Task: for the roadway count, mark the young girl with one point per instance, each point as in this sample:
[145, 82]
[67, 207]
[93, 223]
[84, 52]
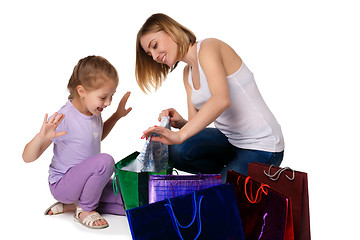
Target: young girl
[79, 175]
[220, 89]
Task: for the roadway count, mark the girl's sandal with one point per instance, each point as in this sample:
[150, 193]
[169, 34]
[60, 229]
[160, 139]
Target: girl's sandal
[56, 208]
[89, 220]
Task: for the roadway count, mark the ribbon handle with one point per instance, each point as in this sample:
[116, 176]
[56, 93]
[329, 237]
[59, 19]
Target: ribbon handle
[196, 212]
[259, 192]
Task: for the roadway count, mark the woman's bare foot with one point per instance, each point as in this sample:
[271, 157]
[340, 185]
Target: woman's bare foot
[67, 208]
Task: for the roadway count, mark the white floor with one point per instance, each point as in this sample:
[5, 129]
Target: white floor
[24, 217]
[63, 227]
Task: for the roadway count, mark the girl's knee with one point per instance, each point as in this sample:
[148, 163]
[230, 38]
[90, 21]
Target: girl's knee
[106, 161]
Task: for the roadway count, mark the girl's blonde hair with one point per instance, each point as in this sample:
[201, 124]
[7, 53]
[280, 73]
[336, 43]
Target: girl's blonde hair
[149, 73]
[90, 73]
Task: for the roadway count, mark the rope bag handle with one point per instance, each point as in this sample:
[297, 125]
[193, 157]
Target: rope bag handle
[115, 187]
[277, 174]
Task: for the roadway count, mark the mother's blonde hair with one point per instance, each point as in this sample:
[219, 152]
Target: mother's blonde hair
[149, 73]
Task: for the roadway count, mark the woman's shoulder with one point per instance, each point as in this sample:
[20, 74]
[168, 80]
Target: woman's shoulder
[210, 48]
[214, 52]
[211, 43]
[214, 45]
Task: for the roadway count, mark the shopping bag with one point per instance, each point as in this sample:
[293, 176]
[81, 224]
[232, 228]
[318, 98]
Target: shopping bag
[133, 186]
[265, 213]
[154, 157]
[169, 186]
[207, 214]
[132, 173]
[293, 184]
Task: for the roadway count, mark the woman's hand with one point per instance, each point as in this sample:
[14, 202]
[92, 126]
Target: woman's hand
[48, 129]
[121, 111]
[166, 136]
[176, 120]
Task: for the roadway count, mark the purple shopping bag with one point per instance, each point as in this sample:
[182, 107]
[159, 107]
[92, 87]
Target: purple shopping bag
[169, 186]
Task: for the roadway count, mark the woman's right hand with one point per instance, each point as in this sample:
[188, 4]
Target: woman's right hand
[176, 120]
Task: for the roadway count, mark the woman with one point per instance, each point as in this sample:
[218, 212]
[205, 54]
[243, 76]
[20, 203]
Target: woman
[220, 89]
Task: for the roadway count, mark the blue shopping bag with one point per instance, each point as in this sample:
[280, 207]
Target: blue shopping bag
[210, 213]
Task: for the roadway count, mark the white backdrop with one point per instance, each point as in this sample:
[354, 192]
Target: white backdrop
[304, 55]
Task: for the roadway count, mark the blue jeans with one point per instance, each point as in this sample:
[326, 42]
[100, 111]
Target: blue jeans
[209, 151]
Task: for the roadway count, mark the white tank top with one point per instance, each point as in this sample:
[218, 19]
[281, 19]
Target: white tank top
[248, 123]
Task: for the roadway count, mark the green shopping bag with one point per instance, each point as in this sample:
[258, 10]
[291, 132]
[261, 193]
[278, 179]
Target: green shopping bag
[133, 186]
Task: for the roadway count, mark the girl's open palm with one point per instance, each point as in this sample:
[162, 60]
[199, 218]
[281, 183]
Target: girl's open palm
[121, 111]
[48, 129]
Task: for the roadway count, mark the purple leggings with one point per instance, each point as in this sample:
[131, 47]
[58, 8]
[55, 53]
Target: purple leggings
[89, 183]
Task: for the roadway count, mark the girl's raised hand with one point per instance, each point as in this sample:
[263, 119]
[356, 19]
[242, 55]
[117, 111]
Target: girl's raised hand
[121, 111]
[48, 129]
[42, 140]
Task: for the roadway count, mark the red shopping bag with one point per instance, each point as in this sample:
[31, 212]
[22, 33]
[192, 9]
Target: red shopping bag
[293, 184]
[265, 214]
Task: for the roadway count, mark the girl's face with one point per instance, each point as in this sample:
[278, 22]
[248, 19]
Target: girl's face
[161, 47]
[94, 101]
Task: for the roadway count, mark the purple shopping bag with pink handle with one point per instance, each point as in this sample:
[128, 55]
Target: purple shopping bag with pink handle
[168, 186]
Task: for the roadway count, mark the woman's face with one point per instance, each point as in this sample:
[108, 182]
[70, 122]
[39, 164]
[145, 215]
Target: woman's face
[161, 47]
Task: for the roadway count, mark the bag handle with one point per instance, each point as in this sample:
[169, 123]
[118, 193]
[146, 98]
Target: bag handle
[258, 196]
[115, 187]
[262, 229]
[273, 177]
[196, 211]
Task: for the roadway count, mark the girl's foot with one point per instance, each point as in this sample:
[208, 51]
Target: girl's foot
[90, 219]
[100, 222]
[59, 207]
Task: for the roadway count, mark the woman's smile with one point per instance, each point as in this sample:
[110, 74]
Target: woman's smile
[163, 59]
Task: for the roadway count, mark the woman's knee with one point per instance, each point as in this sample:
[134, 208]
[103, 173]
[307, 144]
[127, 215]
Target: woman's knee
[179, 152]
[175, 150]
